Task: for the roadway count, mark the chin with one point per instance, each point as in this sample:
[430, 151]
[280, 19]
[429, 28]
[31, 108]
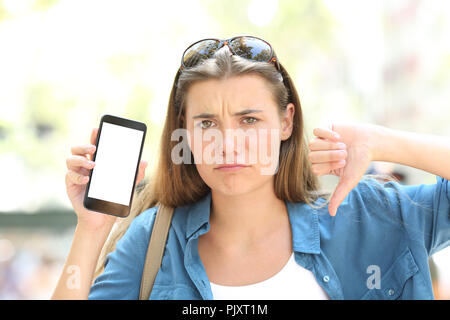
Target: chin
[232, 184]
[232, 191]
[236, 186]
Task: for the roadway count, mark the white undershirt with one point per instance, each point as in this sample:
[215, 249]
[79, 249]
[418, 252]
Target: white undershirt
[293, 282]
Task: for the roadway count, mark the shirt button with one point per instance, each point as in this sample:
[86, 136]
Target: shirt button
[391, 292]
[326, 279]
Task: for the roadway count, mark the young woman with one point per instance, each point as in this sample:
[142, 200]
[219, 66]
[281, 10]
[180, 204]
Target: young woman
[240, 233]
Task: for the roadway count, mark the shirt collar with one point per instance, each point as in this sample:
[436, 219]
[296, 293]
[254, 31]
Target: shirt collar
[303, 219]
[198, 215]
[305, 227]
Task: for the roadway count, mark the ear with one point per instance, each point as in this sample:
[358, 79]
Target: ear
[287, 121]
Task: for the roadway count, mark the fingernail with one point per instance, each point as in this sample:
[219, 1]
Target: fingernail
[336, 135]
[341, 145]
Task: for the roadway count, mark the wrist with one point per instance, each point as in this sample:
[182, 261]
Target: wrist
[380, 143]
[94, 222]
[92, 233]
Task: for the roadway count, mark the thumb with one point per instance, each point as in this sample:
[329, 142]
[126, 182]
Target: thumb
[141, 172]
[345, 185]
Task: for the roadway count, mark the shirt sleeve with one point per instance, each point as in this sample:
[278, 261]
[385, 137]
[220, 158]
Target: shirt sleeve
[122, 274]
[424, 211]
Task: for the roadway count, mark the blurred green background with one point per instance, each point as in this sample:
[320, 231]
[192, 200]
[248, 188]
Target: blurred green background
[63, 64]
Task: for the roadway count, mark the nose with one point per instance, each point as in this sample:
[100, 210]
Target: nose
[232, 151]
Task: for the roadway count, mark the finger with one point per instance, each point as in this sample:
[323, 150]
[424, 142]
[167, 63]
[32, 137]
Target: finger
[75, 161]
[77, 178]
[345, 185]
[317, 144]
[94, 134]
[338, 171]
[141, 172]
[325, 168]
[83, 149]
[327, 156]
[82, 171]
[326, 133]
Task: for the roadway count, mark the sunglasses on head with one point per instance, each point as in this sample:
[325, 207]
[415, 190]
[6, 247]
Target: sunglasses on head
[248, 47]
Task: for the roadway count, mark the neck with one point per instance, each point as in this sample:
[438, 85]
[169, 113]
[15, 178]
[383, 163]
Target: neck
[247, 218]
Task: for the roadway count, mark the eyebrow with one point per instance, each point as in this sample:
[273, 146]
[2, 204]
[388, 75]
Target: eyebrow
[240, 113]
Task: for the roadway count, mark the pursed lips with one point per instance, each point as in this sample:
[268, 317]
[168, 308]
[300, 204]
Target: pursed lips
[231, 167]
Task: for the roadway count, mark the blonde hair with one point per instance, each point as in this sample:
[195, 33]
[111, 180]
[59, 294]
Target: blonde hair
[180, 184]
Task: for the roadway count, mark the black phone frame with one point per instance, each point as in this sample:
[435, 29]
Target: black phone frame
[108, 207]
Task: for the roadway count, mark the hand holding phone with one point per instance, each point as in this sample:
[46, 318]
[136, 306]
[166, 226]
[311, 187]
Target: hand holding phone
[77, 177]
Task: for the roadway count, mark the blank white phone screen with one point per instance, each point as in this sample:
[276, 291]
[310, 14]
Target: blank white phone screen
[115, 164]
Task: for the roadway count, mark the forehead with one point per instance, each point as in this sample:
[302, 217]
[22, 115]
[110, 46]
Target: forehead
[236, 92]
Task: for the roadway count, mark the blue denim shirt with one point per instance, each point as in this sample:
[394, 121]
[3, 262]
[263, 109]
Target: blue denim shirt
[376, 247]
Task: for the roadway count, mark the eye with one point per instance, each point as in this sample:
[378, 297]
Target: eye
[251, 120]
[205, 124]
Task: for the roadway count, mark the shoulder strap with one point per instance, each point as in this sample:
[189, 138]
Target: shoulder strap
[155, 250]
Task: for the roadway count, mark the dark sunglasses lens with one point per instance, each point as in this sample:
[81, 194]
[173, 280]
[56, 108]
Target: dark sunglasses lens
[199, 51]
[251, 48]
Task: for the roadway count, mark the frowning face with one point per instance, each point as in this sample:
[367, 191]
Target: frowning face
[236, 121]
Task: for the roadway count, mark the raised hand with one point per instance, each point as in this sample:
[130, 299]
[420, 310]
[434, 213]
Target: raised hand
[77, 177]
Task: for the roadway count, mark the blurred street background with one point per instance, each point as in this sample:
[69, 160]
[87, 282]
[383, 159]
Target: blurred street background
[63, 64]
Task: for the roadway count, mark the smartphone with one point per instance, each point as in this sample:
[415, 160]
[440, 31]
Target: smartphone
[112, 181]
